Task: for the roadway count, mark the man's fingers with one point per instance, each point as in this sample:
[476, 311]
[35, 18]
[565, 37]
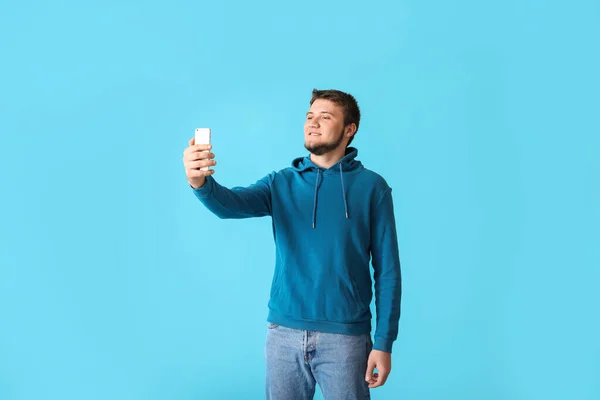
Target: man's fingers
[198, 155]
[370, 370]
[197, 147]
[378, 379]
[201, 163]
[196, 173]
[373, 379]
[375, 382]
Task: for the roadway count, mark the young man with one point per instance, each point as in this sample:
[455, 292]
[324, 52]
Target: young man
[331, 217]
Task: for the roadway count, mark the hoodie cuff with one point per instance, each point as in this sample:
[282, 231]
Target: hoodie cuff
[204, 190]
[383, 344]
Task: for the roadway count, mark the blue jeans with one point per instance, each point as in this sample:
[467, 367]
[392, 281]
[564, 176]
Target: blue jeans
[298, 359]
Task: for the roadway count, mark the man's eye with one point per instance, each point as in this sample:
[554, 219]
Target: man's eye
[326, 117]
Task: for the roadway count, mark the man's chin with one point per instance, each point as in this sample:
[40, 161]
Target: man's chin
[317, 150]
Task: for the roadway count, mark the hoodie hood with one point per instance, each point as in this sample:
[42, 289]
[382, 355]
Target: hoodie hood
[346, 164]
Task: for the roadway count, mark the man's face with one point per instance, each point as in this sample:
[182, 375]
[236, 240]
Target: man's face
[323, 127]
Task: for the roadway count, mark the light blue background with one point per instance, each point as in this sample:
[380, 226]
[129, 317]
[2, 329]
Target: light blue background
[483, 116]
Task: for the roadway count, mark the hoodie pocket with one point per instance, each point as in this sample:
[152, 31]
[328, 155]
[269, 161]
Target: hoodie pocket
[344, 304]
[356, 293]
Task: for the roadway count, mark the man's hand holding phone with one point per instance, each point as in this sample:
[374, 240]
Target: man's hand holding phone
[195, 157]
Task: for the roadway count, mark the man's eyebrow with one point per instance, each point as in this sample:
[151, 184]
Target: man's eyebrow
[322, 112]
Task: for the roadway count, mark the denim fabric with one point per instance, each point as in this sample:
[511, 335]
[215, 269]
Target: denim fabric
[298, 360]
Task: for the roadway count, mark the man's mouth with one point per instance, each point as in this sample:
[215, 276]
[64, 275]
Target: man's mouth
[314, 134]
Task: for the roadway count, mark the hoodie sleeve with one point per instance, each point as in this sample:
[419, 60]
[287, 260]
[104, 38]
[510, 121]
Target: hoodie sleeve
[237, 202]
[386, 266]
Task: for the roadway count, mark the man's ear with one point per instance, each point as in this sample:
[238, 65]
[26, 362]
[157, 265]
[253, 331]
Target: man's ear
[350, 130]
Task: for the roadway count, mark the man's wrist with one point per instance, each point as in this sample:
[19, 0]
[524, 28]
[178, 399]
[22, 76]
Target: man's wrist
[197, 187]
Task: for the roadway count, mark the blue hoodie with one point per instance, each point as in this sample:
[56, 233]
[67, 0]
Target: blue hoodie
[328, 224]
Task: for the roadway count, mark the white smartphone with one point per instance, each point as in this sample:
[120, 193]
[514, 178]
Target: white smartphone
[202, 137]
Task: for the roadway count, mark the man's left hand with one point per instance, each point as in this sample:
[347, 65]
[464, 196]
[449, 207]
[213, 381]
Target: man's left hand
[383, 362]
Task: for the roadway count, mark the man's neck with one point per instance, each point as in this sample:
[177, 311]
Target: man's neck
[328, 159]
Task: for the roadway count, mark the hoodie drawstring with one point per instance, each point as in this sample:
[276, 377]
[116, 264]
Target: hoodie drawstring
[314, 220]
[343, 191]
[315, 203]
